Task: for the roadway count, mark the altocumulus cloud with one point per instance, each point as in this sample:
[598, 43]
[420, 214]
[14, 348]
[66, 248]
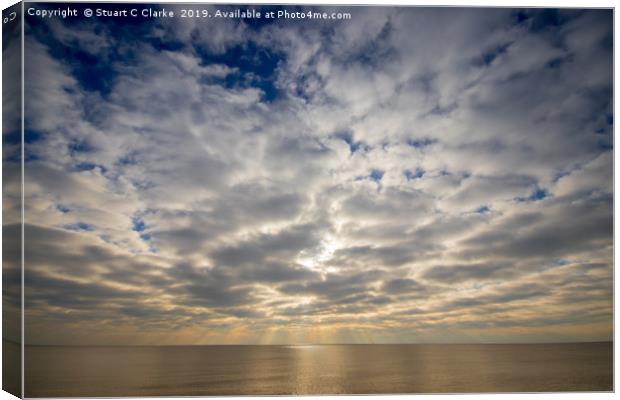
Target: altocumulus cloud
[407, 175]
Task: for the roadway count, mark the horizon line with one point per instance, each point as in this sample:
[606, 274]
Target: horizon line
[305, 344]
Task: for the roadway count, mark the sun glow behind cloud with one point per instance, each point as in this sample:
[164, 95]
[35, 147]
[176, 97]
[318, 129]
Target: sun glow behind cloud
[317, 260]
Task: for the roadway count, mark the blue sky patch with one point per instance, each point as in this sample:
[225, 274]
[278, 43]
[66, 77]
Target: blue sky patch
[420, 143]
[537, 194]
[31, 136]
[256, 67]
[85, 166]
[138, 224]
[376, 175]
[483, 210]
[79, 146]
[80, 227]
[411, 175]
[63, 209]
[348, 139]
[491, 55]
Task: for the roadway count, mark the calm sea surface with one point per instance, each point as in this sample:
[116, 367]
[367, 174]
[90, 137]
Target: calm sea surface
[334, 369]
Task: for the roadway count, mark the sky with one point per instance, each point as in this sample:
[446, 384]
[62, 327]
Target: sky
[410, 175]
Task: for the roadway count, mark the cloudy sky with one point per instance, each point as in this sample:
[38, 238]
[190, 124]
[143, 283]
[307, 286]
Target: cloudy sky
[409, 175]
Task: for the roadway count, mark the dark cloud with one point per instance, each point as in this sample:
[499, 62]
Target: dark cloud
[569, 229]
[286, 243]
[275, 272]
[463, 273]
[208, 288]
[334, 287]
[376, 255]
[405, 286]
[507, 295]
[71, 294]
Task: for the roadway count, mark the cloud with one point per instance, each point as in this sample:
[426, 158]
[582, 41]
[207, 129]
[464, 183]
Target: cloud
[408, 174]
[462, 273]
[405, 286]
[336, 287]
[287, 243]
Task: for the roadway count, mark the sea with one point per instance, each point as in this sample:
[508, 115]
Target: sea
[101, 371]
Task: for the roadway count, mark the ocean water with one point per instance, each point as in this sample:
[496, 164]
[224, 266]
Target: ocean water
[56, 371]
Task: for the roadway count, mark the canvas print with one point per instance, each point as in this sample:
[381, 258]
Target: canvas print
[214, 199]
